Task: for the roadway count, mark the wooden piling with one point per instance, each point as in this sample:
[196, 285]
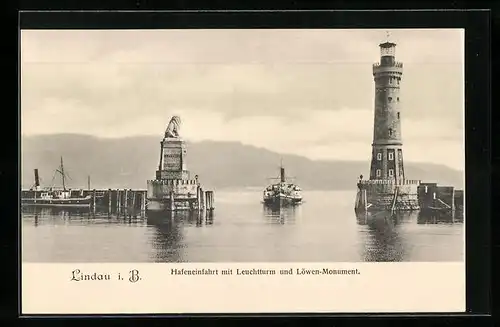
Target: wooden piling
[209, 199]
[365, 200]
[201, 205]
[198, 197]
[126, 198]
[109, 199]
[143, 201]
[93, 199]
[357, 201]
[453, 199]
[118, 200]
[172, 205]
[133, 200]
[202, 216]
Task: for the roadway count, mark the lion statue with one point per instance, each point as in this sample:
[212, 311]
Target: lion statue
[173, 127]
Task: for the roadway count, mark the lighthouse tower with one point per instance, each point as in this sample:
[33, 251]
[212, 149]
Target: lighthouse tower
[387, 188]
[387, 153]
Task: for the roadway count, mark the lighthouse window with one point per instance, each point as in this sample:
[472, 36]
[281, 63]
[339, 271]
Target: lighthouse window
[390, 131]
[391, 156]
[391, 172]
[378, 172]
[390, 99]
[398, 111]
[379, 156]
[398, 99]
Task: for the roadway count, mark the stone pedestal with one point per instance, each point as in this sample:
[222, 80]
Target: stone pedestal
[173, 160]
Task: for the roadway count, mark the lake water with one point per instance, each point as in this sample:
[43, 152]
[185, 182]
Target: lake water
[323, 229]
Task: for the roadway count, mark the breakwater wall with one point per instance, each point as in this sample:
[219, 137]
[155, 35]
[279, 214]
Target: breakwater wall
[373, 195]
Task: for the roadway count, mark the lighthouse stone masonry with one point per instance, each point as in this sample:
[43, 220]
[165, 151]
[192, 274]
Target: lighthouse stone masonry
[387, 153]
[174, 189]
[387, 187]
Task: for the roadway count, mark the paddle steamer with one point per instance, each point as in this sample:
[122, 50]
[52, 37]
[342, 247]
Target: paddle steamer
[282, 194]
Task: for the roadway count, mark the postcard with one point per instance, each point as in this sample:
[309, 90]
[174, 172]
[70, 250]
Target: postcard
[242, 171]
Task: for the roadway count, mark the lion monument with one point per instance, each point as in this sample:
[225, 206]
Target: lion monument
[173, 127]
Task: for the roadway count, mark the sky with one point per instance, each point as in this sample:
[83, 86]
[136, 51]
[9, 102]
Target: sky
[305, 92]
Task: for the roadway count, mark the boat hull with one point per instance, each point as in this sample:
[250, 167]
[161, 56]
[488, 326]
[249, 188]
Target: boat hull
[282, 201]
[75, 203]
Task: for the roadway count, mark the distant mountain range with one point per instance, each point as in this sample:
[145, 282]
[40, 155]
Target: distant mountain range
[129, 162]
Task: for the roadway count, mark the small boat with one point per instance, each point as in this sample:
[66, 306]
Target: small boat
[283, 193]
[54, 197]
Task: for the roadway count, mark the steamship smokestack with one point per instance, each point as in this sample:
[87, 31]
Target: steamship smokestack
[37, 180]
[282, 171]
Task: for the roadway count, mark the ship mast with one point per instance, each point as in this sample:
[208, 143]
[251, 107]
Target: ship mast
[61, 171]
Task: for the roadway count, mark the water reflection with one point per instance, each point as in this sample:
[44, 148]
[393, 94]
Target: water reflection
[193, 217]
[382, 242]
[323, 230]
[281, 215]
[384, 235]
[54, 211]
[43, 215]
[167, 236]
[167, 240]
[80, 216]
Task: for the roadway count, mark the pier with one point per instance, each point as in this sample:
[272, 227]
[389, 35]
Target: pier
[118, 199]
[375, 195]
[134, 200]
[445, 198]
[173, 188]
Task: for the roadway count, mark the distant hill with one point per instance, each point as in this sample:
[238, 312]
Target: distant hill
[129, 162]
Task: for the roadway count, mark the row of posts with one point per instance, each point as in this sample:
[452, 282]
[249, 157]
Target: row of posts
[133, 199]
[128, 199]
[119, 199]
[205, 199]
